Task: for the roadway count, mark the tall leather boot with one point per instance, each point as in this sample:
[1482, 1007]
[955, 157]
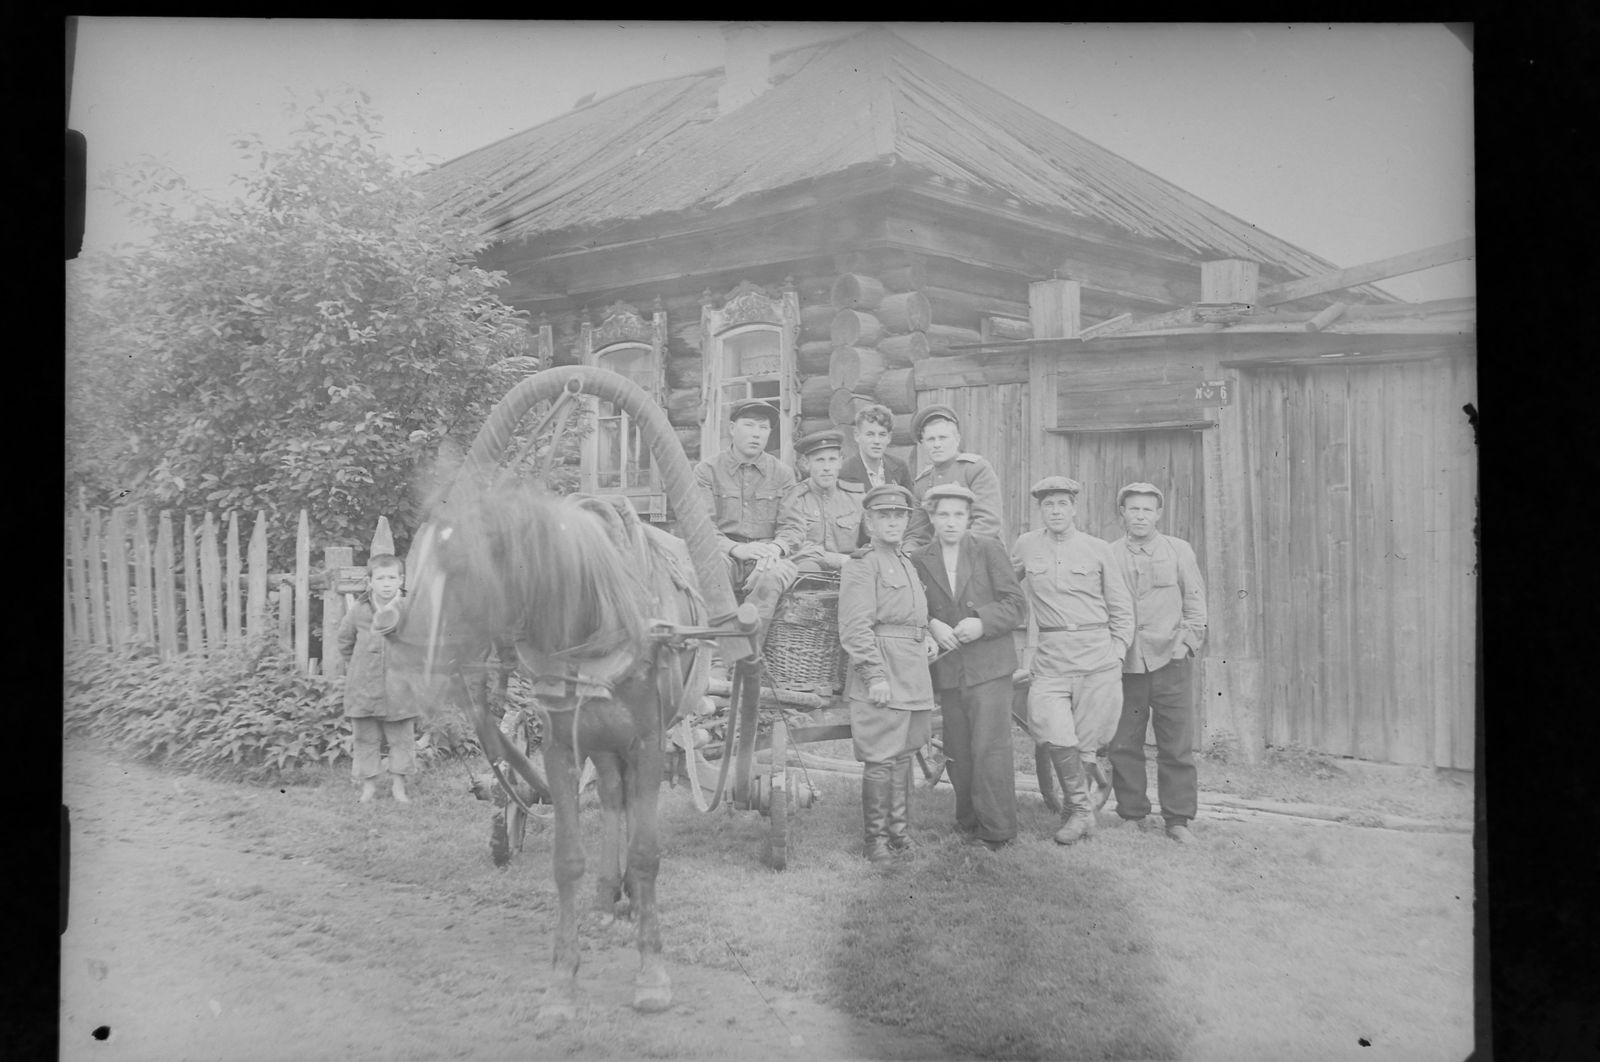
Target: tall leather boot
[877, 779]
[900, 805]
[1047, 777]
[1077, 815]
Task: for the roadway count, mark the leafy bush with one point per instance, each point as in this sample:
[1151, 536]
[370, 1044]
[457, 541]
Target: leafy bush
[244, 713]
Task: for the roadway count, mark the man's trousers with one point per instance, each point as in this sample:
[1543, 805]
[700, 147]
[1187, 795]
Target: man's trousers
[1162, 698]
[977, 749]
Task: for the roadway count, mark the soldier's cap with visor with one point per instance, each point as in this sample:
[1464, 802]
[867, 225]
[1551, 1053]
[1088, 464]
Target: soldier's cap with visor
[827, 439]
[922, 416]
[930, 497]
[1141, 488]
[1055, 485]
[888, 497]
[754, 407]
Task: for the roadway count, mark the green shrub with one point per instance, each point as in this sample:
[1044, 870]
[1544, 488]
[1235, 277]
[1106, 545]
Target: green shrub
[245, 713]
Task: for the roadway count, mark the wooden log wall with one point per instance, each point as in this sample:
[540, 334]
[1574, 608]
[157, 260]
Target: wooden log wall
[880, 329]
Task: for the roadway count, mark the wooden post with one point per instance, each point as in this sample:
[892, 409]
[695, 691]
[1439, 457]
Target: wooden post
[142, 584]
[117, 578]
[1230, 280]
[1231, 669]
[166, 575]
[78, 565]
[382, 539]
[302, 593]
[211, 583]
[1053, 308]
[256, 599]
[97, 580]
[333, 558]
[194, 641]
[230, 591]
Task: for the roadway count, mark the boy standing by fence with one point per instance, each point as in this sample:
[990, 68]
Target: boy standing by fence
[373, 714]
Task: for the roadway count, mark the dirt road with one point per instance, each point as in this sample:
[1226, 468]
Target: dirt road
[183, 943]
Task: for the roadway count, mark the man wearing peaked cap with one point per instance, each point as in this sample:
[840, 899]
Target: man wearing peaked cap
[883, 627]
[974, 603]
[819, 523]
[1169, 611]
[1081, 625]
[938, 430]
[745, 486]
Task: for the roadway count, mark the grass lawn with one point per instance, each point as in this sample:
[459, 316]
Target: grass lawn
[1263, 941]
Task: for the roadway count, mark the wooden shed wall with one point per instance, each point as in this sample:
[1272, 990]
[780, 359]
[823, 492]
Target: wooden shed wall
[1364, 495]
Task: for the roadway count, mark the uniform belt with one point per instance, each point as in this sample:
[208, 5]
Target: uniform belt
[895, 630]
[1072, 627]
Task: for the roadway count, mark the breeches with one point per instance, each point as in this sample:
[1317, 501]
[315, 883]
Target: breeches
[881, 734]
[1077, 709]
[370, 732]
[977, 745]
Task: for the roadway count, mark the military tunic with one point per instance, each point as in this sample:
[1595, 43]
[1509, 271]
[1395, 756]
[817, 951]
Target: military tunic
[1084, 612]
[883, 626]
[811, 523]
[977, 475]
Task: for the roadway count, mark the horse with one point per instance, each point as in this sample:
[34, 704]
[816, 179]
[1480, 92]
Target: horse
[574, 585]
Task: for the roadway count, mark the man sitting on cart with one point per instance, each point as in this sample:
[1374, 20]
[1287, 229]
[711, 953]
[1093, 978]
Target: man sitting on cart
[819, 524]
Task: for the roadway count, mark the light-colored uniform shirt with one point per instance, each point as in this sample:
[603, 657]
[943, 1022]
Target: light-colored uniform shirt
[811, 523]
[977, 475]
[1169, 599]
[883, 626]
[1073, 581]
[744, 495]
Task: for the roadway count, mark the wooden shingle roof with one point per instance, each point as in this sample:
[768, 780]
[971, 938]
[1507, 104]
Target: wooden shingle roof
[868, 100]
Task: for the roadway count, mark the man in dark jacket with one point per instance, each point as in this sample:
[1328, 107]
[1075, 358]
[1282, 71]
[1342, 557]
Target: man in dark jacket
[872, 465]
[974, 603]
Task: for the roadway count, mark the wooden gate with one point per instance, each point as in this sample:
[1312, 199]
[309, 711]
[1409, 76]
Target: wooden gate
[1364, 501]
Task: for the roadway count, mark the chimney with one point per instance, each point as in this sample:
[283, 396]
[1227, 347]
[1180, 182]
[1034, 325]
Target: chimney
[747, 66]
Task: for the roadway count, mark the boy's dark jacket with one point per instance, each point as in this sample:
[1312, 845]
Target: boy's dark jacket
[986, 587]
[369, 689]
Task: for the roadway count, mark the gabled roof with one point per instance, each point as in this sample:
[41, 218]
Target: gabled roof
[868, 100]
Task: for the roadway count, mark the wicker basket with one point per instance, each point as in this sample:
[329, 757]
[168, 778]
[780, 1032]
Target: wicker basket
[802, 649]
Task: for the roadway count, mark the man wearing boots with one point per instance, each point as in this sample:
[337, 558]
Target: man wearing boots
[745, 486]
[974, 603]
[1084, 617]
[1169, 608]
[883, 626]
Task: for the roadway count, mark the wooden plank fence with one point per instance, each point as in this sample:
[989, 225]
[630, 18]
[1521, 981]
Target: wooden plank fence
[121, 590]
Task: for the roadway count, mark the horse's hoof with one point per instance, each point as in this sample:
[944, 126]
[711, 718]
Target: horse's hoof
[652, 999]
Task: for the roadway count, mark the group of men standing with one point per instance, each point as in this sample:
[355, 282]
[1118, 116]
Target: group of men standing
[933, 604]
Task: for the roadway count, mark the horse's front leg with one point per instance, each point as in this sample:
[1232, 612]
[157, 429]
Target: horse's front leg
[608, 882]
[561, 997]
[652, 989]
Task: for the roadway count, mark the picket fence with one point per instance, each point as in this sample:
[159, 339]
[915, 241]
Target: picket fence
[123, 589]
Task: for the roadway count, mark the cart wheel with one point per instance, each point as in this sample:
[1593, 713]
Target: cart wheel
[778, 797]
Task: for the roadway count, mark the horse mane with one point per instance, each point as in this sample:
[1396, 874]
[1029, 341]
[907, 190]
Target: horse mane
[553, 576]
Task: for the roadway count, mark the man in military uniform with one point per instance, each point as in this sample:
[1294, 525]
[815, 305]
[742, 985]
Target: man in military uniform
[883, 627]
[819, 522]
[939, 432]
[1084, 615]
[745, 485]
[1169, 607]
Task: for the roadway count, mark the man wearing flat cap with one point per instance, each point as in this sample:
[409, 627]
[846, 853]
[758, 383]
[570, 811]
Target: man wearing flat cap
[745, 486]
[939, 432]
[1084, 616]
[974, 603]
[1169, 609]
[819, 523]
[883, 627]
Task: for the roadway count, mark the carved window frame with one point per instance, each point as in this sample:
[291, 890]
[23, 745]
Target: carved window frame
[622, 329]
[746, 309]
